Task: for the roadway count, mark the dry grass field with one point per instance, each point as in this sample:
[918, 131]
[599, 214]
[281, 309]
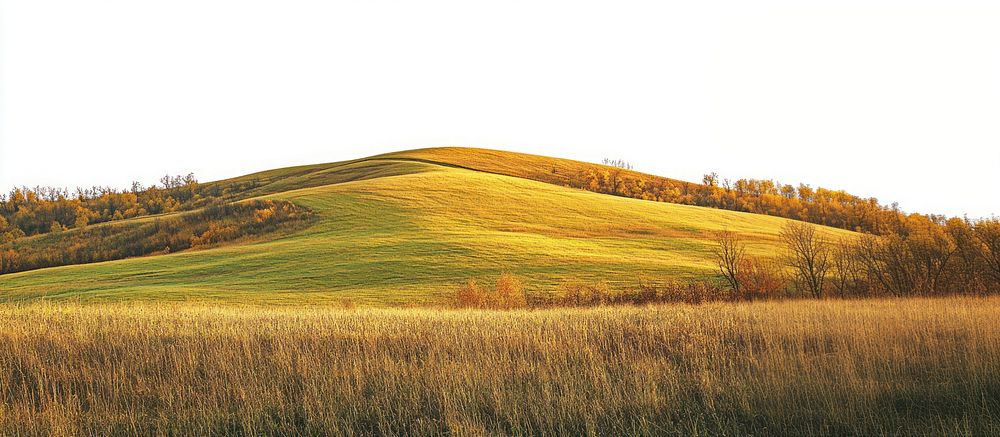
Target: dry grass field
[872, 367]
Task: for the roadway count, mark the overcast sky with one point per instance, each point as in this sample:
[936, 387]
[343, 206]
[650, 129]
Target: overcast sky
[897, 100]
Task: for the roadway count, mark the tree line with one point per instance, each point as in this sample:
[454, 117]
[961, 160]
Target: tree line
[217, 223]
[959, 257]
[835, 208]
[40, 210]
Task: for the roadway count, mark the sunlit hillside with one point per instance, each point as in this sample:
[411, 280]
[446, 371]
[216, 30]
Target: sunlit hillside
[409, 227]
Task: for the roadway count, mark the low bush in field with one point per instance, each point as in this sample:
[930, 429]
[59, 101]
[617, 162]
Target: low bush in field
[507, 294]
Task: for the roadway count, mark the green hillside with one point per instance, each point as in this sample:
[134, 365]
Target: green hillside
[409, 227]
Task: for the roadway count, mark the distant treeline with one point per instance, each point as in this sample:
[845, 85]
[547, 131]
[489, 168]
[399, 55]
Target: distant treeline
[835, 208]
[218, 222]
[31, 211]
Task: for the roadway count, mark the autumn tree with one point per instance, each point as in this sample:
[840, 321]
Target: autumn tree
[988, 234]
[710, 179]
[510, 292]
[8, 232]
[470, 295]
[8, 261]
[931, 248]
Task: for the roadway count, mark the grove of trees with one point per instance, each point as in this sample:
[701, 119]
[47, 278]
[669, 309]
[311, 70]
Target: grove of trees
[835, 208]
[217, 223]
[32, 211]
[928, 259]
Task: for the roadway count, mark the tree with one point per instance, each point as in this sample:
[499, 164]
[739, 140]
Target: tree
[988, 234]
[932, 248]
[510, 292]
[618, 163]
[969, 269]
[470, 295]
[8, 261]
[730, 253]
[847, 268]
[8, 232]
[808, 255]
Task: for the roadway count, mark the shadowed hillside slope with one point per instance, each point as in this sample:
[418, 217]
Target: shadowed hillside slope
[395, 229]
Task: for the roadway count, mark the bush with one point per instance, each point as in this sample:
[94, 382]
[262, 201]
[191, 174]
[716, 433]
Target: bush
[760, 278]
[510, 292]
[574, 294]
[692, 292]
[470, 295]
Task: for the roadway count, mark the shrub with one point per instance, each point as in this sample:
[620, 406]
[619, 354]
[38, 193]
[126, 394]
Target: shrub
[510, 292]
[760, 278]
[573, 294]
[470, 295]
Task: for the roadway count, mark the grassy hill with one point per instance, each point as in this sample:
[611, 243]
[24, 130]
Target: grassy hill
[408, 227]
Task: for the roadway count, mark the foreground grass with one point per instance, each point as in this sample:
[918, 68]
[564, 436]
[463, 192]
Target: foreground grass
[914, 366]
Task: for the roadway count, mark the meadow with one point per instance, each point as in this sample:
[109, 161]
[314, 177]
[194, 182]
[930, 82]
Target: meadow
[813, 367]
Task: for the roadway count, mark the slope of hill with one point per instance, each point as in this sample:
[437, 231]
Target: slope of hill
[409, 227]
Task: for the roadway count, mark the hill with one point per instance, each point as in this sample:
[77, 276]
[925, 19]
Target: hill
[408, 227]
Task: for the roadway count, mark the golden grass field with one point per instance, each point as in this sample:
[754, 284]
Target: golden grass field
[872, 367]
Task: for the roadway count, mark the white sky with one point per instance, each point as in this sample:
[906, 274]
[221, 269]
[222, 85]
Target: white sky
[894, 99]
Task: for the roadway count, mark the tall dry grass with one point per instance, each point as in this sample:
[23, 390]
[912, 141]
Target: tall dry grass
[915, 366]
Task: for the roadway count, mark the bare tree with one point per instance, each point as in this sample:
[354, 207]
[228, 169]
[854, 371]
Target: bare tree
[932, 248]
[731, 253]
[988, 234]
[808, 255]
[618, 163]
[847, 267]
